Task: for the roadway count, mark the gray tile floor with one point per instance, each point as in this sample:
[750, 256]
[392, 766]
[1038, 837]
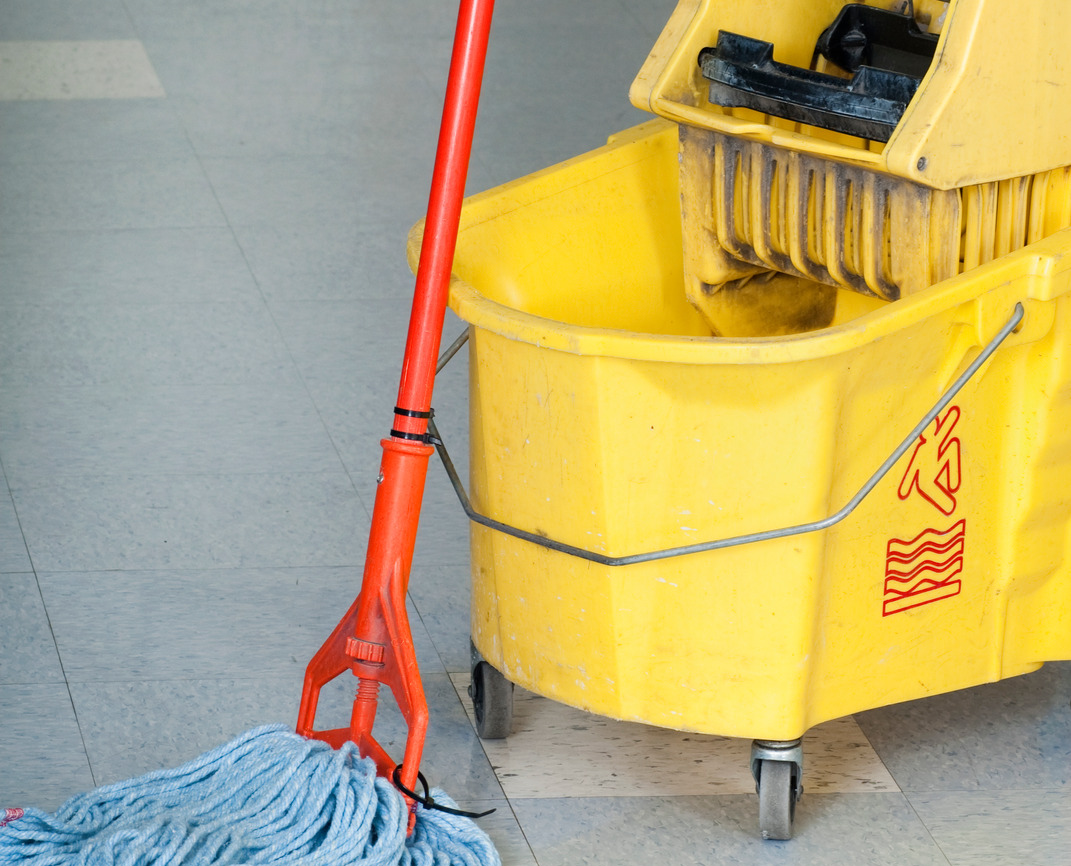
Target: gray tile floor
[203, 299]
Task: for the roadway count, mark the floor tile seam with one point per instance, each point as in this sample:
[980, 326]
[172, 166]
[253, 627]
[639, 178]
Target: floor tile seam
[272, 386]
[36, 386]
[296, 367]
[29, 304]
[876, 753]
[438, 652]
[483, 750]
[989, 790]
[520, 826]
[156, 162]
[76, 230]
[18, 487]
[218, 569]
[18, 522]
[51, 629]
[650, 793]
[295, 675]
[133, 24]
[926, 827]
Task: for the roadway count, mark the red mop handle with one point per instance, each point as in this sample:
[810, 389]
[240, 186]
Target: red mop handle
[373, 639]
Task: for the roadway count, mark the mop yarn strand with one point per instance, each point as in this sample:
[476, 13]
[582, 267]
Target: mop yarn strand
[268, 797]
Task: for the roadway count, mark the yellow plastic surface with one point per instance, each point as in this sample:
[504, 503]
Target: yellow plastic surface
[603, 415]
[994, 105]
[750, 207]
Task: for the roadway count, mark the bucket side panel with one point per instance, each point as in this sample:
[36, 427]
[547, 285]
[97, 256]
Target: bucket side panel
[1039, 598]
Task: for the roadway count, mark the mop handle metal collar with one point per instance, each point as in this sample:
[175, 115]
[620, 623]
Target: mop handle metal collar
[737, 540]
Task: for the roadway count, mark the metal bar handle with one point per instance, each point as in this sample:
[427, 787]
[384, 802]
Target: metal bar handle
[736, 540]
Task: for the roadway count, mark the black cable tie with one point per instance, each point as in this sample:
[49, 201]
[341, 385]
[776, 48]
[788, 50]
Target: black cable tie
[426, 801]
[412, 437]
[413, 413]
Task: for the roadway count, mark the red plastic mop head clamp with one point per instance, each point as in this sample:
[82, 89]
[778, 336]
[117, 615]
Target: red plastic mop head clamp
[373, 639]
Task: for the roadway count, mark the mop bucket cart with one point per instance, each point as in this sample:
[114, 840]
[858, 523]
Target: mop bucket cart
[741, 484]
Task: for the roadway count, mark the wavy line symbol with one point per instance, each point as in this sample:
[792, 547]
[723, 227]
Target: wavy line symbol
[922, 570]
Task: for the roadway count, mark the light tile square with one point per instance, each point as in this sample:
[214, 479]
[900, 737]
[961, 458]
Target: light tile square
[92, 196]
[221, 623]
[65, 19]
[182, 429]
[292, 190]
[145, 522]
[69, 269]
[109, 69]
[140, 344]
[90, 130]
[558, 751]
[42, 759]
[13, 554]
[1013, 734]
[441, 595]
[333, 262]
[996, 828]
[133, 727]
[27, 649]
[831, 830]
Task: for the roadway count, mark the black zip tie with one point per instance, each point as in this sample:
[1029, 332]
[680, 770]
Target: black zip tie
[412, 413]
[426, 438]
[426, 801]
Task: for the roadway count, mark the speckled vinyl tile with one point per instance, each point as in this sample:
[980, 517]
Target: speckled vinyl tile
[40, 131]
[296, 190]
[91, 196]
[505, 832]
[101, 523]
[133, 727]
[220, 623]
[558, 751]
[152, 430]
[110, 69]
[13, 554]
[831, 830]
[64, 19]
[336, 262]
[66, 269]
[42, 758]
[441, 595]
[141, 344]
[27, 649]
[998, 828]
[1013, 734]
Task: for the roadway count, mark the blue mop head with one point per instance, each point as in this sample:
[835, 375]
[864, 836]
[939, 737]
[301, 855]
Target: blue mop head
[268, 797]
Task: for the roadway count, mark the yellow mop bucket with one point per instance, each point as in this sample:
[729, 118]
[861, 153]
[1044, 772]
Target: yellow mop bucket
[608, 425]
[604, 417]
[771, 403]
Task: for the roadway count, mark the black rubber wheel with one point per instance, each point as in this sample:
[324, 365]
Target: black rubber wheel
[777, 799]
[492, 702]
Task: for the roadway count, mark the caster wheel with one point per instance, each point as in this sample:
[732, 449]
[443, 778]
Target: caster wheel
[492, 702]
[777, 799]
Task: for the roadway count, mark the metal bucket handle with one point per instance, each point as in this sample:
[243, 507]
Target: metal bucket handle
[737, 540]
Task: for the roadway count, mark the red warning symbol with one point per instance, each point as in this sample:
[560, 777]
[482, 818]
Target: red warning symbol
[935, 467]
[923, 570]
